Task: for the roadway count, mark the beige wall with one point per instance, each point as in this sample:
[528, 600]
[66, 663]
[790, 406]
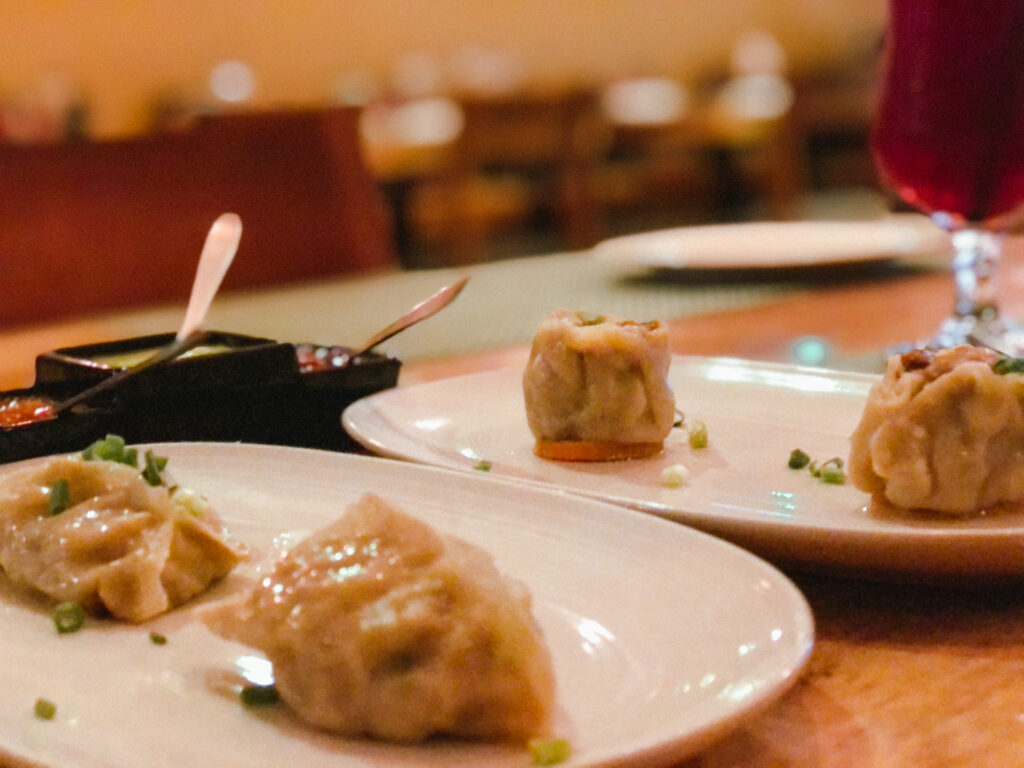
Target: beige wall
[123, 52]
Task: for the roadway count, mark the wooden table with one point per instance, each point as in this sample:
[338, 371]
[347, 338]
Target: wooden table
[902, 675]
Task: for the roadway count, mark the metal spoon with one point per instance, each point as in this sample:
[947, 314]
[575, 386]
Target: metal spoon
[426, 308]
[217, 254]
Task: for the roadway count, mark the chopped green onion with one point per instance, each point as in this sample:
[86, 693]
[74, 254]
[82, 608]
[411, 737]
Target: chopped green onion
[1006, 365]
[698, 434]
[680, 418]
[191, 501]
[549, 751]
[68, 617]
[817, 467]
[674, 476]
[157, 639]
[483, 465]
[259, 695]
[830, 471]
[798, 459]
[44, 709]
[59, 498]
[832, 475]
[154, 466]
[112, 448]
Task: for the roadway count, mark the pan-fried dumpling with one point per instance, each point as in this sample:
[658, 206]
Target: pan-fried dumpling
[116, 544]
[597, 389]
[943, 431]
[379, 626]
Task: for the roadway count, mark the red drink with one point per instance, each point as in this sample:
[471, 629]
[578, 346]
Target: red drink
[949, 128]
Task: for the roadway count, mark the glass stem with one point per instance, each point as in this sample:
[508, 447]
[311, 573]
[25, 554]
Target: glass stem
[975, 261]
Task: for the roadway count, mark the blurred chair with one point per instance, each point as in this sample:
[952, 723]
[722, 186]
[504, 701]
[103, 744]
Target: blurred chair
[751, 116]
[832, 119]
[92, 226]
[408, 142]
[519, 156]
[651, 172]
[705, 153]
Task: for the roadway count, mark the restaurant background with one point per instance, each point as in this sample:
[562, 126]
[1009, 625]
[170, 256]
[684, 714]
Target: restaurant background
[488, 130]
[120, 55]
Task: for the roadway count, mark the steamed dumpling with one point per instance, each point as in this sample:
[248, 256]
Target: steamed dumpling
[942, 431]
[379, 626]
[600, 382]
[120, 546]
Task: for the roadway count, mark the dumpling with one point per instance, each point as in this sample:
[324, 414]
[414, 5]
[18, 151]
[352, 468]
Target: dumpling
[943, 431]
[379, 626]
[597, 389]
[118, 546]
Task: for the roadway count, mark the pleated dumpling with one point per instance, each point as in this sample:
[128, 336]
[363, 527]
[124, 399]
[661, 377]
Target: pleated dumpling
[597, 388]
[379, 626]
[943, 431]
[97, 533]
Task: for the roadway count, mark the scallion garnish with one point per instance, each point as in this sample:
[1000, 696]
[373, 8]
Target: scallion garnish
[697, 433]
[59, 498]
[259, 695]
[44, 709]
[1006, 365]
[68, 617]
[798, 459]
[157, 639]
[112, 448]
[483, 465]
[154, 466]
[549, 751]
[830, 471]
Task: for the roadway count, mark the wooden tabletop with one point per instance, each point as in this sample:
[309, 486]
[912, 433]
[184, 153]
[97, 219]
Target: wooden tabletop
[902, 675]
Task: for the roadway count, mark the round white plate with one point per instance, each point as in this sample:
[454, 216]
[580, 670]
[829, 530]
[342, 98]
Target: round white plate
[772, 245]
[663, 638]
[739, 488]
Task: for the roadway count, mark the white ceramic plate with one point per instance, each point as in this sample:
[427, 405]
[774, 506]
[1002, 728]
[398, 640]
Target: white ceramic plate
[740, 487]
[663, 638]
[771, 245]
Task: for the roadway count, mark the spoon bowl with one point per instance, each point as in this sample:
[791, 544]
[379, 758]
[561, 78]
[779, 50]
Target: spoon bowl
[217, 254]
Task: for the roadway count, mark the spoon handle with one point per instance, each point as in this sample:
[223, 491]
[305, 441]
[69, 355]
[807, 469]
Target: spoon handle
[421, 311]
[217, 255]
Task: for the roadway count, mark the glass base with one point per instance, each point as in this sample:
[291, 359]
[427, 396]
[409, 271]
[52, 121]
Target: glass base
[995, 333]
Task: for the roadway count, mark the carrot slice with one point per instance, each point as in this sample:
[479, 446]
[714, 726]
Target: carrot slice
[585, 450]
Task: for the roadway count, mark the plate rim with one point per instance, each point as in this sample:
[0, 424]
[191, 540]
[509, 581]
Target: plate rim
[626, 250]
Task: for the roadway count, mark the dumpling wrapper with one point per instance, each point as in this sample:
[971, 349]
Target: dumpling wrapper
[601, 381]
[942, 431]
[122, 547]
[378, 626]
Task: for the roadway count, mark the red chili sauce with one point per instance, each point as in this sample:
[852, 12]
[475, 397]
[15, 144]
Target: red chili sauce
[19, 410]
[316, 358]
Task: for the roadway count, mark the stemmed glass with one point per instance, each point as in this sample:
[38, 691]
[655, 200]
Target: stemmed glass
[948, 138]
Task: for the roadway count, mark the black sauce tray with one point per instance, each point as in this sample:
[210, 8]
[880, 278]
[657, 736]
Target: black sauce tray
[244, 388]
